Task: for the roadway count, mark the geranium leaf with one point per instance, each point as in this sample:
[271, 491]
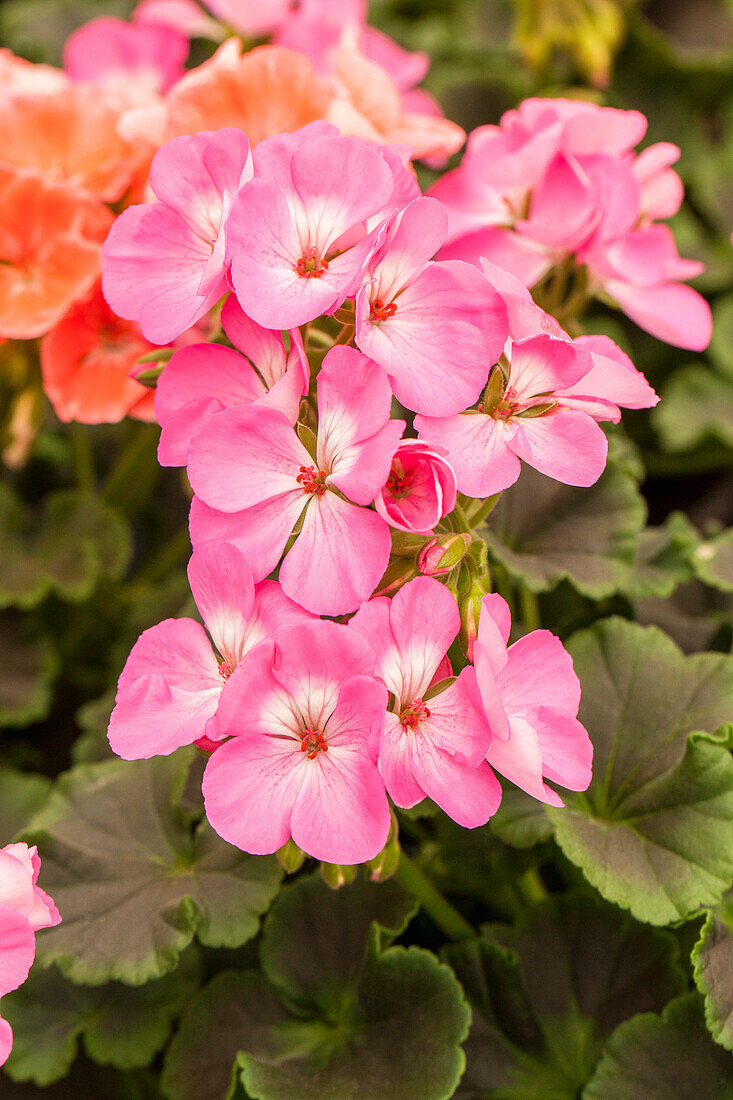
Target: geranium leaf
[339, 1018]
[134, 880]
[662, 1057]
[697, 404]
[547, 992]
[27, 668]
[713, 961]
[64, 548]
[119, 1025]
[654, 831]
[543, 532]
[520, 820]
[21, 796]
[713, 561]
[664, 558]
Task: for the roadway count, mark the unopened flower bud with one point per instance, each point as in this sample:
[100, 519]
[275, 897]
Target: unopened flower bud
[442, 554]
[469, 605]
[290, 857]
[336, 875]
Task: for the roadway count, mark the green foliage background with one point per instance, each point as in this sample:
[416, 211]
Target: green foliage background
[554, 954]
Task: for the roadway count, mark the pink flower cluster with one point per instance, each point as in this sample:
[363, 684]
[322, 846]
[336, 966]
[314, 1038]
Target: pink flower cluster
[312, 724]
[559, 178]
[24, 908]
[310, 474]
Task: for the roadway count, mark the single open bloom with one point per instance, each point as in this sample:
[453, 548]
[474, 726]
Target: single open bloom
[531, 696]
[50, 247]
[436, 734]
[171, 684]
[432, 326]
[296, 237]
[163, 262]
[202, 379]
[254, 480]
[304, 716]
[86, 362]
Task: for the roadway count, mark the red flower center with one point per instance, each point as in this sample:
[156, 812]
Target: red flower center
[312, 742]
[225, 670]
[398, 483]
[312, 480]
[508, 404]
[412, 715]
[310, 265]
[381, 312]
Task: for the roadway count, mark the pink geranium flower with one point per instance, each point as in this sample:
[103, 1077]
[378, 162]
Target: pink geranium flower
[436, 735]
[297, 242]
[544, 413]
[249, 462]
[304, 717]
[432, 326]
[531, 696]
[420, 489]
[24, 908]
[163, 262]
[126, 58]
[522, 417]
[203, 379]
[170, 687]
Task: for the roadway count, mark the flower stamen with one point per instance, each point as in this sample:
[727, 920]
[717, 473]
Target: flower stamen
[381, 312]
[310, 265]
[312, 742]
[413, 714]
[312, 480]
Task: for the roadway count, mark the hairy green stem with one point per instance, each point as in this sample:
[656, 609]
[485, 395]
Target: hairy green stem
[441, 912]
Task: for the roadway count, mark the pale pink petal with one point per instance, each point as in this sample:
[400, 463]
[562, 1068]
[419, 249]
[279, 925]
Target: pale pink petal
[469, 795]
[263, 347]
[356, 439]
[395, 764]
[539, 673]
[338, 558]
[17, 949]
[198, 381]
[413, 237]
[566, 445]
[674, 313]
[250, 787]
[197, 175]
[457, 723]
[567, 752]
[16, 881]
[221, 584]
[520, 760]
[528, 260]
[167, 691]
[152, 264]
[477, 448]
[109, 48]
[260, 532]
[244, 456]
[341, 814]
[491, 701]
[495, 609]
[564, 207]
[6, 1041]
[542, 364]
[312, 661]
[449, 326]
[613, 377]
[424, 620]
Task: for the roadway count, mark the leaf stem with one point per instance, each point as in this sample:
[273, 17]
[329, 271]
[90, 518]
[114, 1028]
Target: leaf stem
[447, 918]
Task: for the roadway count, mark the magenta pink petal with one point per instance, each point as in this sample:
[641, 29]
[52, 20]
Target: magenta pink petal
[222, 586]
[567, 752]
[167, 691]
[477, 447]
[674, 313]
[17, 949]
[526, 259]
[338, 558]
[6, 1041]
[457, 723]
[424, 621]
[539, 673]
[543, 364]
[245, 456]
[468, 795]
[567, 445]
[260, 532]
[395, 765]
[520, 760]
